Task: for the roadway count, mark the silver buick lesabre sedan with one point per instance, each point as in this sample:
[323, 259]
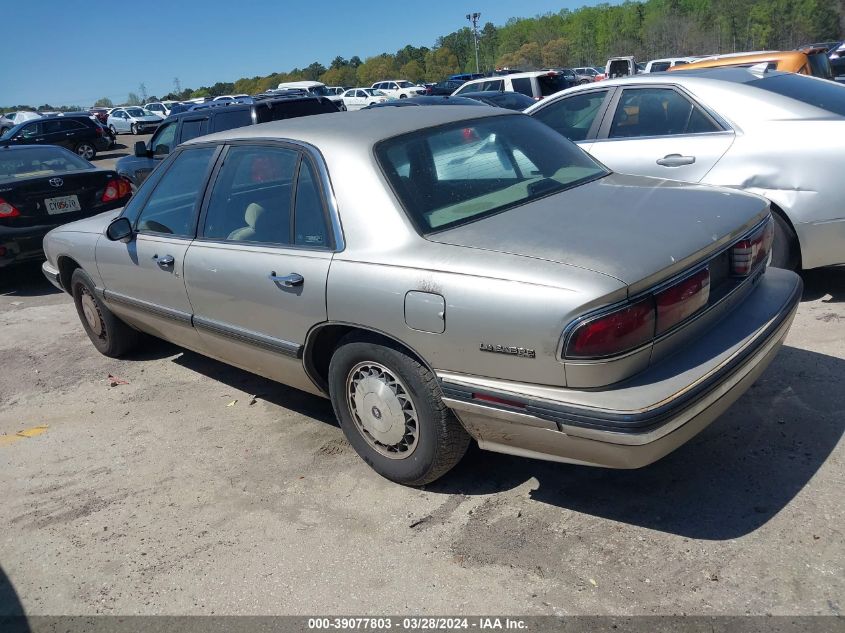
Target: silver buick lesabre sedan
[444, 274]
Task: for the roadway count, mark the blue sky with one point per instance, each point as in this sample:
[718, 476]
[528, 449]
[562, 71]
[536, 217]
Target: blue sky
[108, 49]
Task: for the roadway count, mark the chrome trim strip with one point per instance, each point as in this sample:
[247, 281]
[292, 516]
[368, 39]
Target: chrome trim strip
[155, 309]
[249, 337]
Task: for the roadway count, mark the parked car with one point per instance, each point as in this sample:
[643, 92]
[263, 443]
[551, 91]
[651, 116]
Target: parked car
[158, 108]
[315, 88]
[399, 88]
[134, 120]
[835, 52]
[96, 120]
[535, 84]
[510, 100]
[22, 115]
[5, 124]
[184, 126]
[770, 133]
[537, 302]
[358, 98]
[462, 77]
[445, 87]
[102, 115]
[79, 134]
[586, 74]
[621, 67]
[44, 187]
[660, 65]
[812, 62]
[426, 100]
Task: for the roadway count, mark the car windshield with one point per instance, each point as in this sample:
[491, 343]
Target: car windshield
[320, 91]
[375, 93]
[511, 100]
[404, 84]
[38, 161]
[551, 83]
[136, 112]
[827, 95]
[659, 67]
[464, 171]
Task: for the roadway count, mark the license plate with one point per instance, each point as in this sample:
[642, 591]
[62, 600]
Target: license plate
[62, 204]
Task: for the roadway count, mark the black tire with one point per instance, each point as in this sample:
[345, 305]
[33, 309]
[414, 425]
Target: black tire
[785, 249]
[583, 81]
[113, 131]
[440, 441]
[134, 129]
[111, 336]
[86, 151]
[403, 96]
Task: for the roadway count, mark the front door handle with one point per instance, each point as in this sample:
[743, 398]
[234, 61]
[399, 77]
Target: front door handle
[165, 261]
[675, 160]
[288, 281]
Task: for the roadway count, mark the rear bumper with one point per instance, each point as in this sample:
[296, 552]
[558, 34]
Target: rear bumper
[663, 407]
[23, 244]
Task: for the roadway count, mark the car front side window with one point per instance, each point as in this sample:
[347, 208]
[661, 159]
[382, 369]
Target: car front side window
[164, 140]
[573, 116]
[170, 208]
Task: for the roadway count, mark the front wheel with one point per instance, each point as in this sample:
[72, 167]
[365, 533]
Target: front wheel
[86, 151]
[390, 410]
[111, 336]
[134, 129]
[403, 96]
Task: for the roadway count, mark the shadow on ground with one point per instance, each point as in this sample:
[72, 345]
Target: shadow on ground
[820, 282]
[728, 481]
[12, 615]
[25, 280]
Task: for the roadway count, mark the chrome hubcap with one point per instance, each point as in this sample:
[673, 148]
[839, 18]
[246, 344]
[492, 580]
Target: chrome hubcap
[86, 151]
[382, 409]
[92, 315]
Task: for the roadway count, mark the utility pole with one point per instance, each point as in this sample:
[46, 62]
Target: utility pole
[473, 20]
[143, 90]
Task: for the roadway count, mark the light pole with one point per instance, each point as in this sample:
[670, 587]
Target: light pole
[473, 19]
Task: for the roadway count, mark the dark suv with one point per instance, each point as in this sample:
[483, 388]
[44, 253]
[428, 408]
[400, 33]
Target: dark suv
[181, 127]
[79, 134]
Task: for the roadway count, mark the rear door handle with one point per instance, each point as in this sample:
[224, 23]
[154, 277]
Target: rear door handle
[165, 261]
[675, 160]
[288, 281]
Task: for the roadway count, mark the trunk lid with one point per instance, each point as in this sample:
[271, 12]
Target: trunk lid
[636, 229]
[29, 196]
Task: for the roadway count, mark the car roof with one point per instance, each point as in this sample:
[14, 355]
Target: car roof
[797, 58]
[362, 127]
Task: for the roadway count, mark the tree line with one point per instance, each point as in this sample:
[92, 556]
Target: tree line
[587, 36]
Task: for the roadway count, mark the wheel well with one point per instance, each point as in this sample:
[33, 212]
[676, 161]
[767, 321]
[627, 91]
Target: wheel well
[66, 267]
[322, 343]
[796, 243]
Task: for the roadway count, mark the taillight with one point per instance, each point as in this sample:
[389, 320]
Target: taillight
[748, 253]
[682, 300]
[614, 333]
[8, 210]
[99, 131]
[116, 189]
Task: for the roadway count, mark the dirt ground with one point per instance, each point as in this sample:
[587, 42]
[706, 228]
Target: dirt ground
[196, 488]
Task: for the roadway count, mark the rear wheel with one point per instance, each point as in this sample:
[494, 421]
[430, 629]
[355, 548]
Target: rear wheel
[113, 131]
[111, 336]
[785, 249]
[390, 410]
[86, 151]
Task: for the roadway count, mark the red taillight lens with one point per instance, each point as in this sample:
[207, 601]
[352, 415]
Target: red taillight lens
[99, 131]
[116, 189]
[747, 254]
[8, 210]
[614, 333]
[682, 300]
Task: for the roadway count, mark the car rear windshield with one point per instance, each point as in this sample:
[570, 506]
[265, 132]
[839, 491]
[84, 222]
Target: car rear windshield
[821, 93]
[550, 84]
[820, 65]
[38, 161]
[464, 171]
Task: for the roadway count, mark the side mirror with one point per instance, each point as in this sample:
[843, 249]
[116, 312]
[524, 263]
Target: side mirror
[140, 149]
[119, 229]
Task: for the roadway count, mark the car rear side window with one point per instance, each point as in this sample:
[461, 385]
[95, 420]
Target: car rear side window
[573, 116]
[231, 119]
[310, 220]
[193, 129]
[252, 197]
[461, 172]
[523, 85]
[170, 207]
[826, 95]
[657, 112]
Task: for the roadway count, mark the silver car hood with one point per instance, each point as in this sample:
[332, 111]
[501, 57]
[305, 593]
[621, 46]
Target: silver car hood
[94, 224]
[638, 230]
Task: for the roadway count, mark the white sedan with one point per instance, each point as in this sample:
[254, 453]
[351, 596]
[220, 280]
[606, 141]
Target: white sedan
[399, 88]
[358, 98]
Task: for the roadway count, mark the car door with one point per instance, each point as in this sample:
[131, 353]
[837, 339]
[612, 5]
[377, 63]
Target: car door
[143, 278]
[256, 275]
[30, 134]
[660, 131]
[577, 116]
[119, 121]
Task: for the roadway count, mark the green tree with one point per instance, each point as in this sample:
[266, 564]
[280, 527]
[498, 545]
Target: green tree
[133, 99]
[440, 63]
[103, 102]
[413, 71]
[377, 68]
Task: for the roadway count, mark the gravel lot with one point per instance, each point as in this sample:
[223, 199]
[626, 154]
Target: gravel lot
[124, 146]
[196, 488]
